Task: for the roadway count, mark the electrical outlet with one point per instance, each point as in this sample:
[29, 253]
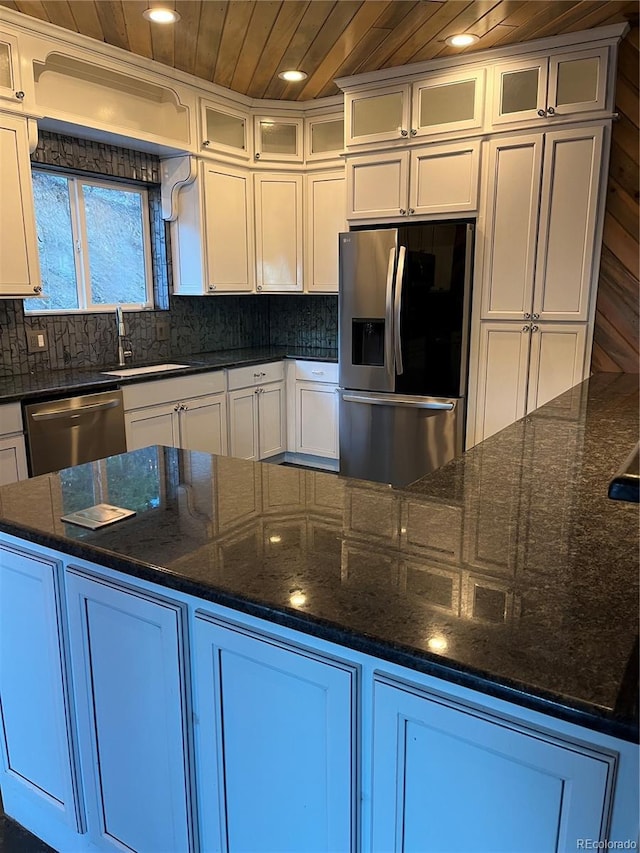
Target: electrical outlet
[162, 330]
[36, 340]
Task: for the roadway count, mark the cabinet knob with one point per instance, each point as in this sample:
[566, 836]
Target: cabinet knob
[404, 132]
[542, 113]
[414, 132]
[551, 111]
[37, 289]
[212, 287]
[257, 155]
[535, 316]
[527, 316]
[403, 212]
[259, 287]
[411, 211]
[526, 328]
[20, 96]
[206, 143]
[534, 328]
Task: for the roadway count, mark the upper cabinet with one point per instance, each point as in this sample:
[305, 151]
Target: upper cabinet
[278, 139]
[224, 130]
[439, 103]
[10, 80]
[324, 220]
[544, 87]
[324, 137]
[19, 264]
[278, 198]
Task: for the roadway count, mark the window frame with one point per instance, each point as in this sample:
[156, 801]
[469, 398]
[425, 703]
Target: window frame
[77, 214]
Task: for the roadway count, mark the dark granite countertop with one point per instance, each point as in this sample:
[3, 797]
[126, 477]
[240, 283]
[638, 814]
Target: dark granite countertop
[508, 571]
[56, 383]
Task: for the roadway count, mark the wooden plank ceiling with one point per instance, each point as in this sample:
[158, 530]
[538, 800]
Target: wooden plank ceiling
[243, 44]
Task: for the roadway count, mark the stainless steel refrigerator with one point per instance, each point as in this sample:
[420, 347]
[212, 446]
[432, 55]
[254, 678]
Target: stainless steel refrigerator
[404, 306]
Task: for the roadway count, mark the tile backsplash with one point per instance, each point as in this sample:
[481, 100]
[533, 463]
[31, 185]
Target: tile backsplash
[196, 324]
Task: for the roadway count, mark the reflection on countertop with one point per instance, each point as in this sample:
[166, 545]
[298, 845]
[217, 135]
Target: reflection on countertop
[508, 570]
[58, 382]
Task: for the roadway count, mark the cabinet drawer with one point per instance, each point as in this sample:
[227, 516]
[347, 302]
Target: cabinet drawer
[172, 390]
[317, 371]
[256, 374]
[10, 418]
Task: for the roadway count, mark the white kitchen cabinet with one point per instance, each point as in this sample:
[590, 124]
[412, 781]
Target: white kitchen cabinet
[431, 762]
[19, 263]
[10, 75]
[190, 413]
[279, 719]
[440, 179]
[278, 139]
[324, 137]
[37, 762]
[278, 200]
[443, 102]
[316, 409]
[324, 220]
[213, 235]
[224, 130]
[128, 663]
[542, 88]
[257, 411]
[13, 458]
[522, 366]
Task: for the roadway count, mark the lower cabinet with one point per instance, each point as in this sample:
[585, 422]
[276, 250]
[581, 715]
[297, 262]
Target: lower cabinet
[274, 744]
[13, 459]
[178, 413]
[257, 411]
[313, 412]
[38, 772]
[449, 778]
[128, 665]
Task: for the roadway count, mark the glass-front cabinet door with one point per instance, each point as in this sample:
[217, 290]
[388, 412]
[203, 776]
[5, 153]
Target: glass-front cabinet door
[224, 130]
[10, 87]
[520, 91]
[324, 137]
[278, 139]
[448, 103]
[578, 82]
[377, 115]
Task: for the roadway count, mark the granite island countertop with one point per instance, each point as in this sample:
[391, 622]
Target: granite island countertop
[508, 571]
[86, 380]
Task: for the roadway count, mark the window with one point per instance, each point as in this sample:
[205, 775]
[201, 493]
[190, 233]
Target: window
[93, 239]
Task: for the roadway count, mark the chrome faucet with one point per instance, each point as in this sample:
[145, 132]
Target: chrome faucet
[123, 353]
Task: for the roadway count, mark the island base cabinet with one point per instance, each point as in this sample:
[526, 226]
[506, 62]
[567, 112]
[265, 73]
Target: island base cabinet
[274, 753]
[450, 779]
[127, 666]
[38, 770]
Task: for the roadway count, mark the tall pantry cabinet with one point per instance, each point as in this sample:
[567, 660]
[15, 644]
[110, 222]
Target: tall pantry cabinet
[539, 217]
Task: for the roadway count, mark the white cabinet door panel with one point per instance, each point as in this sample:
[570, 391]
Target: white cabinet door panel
[243, 424]
[502, 376]
[13, 460]
[377, 185]
[278, 201]
[271, 420]
[444, 178]
[152, 425]
[511, 225]
[34, 743]
[570, 184]
[578, 81]
[557, 361]
[317, 419]
[229, 229]
[127, 665]
[448, 780]
[203, 424]
[325, 219]
[279, 721]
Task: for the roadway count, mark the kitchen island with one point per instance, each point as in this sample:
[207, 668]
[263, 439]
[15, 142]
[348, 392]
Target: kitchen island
[270, 658]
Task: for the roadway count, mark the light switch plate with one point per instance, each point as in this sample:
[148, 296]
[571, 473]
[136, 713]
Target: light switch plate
[162, 330]
[36, 340]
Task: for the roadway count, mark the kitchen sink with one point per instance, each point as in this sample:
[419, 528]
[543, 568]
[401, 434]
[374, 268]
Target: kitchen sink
[139, 371]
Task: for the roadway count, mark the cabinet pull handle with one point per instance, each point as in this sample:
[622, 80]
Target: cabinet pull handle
[404, 132]
[526, 328]
[20, 95]
[414, 132]
[542, 113]
[411, 211]
[257, 155]
[259, 287]
[551, 111]
[534, 328]
[527, 316]
[535, 316]
[212, 287]
[206, 143]
[403, 212]
[37, 289]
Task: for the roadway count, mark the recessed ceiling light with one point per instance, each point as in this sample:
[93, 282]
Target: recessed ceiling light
[161, 15]
[292, 76]
[462, 40]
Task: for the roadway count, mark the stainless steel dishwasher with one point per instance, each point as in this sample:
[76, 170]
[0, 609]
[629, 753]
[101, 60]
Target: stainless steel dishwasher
[61, 433]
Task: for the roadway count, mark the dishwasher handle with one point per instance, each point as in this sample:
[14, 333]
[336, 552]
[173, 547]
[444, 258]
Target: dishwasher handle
[56, 414]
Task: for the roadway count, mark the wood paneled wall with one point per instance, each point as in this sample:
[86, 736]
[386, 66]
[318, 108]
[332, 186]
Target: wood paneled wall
[615, 345]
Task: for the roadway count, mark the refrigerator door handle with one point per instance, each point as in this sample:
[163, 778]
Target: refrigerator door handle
[398, 309]
[388, 314]
[399, 400]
